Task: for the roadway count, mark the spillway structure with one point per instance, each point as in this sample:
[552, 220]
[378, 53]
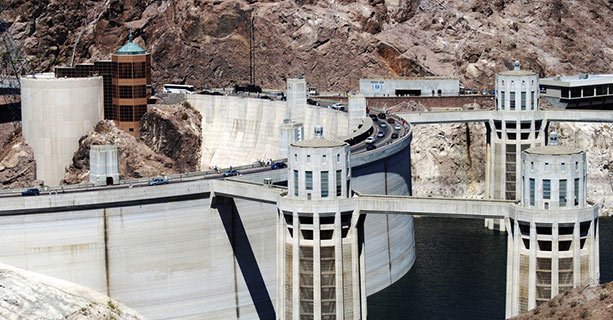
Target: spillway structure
[553, 240]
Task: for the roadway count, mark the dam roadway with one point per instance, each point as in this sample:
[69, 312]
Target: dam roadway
[163, 251]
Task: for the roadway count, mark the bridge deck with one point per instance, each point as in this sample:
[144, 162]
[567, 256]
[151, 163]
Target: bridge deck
[486, 115]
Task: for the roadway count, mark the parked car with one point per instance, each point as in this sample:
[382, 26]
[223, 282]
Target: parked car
[370, 140]
[371, 147]
[381, 115]
[158, 180]
[383, 125]
[231, 173]
[394, 135]
[278, 165]
[397, 127]
[373, 117]
[380, 134]
[30, 192]
[390, 120]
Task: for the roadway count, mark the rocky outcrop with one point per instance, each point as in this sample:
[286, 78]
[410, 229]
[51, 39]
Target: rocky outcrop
[174, 131]
[136, 159]
[17, 165]
[333, 43]
[593, 302]
[595, 139]
[448, 160]
[31, 296]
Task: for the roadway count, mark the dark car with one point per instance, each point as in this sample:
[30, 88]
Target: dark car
[373, 117]
[30, 192]
[394, 135]
[312, 102]
[390, 120]
[371, 147]
[231, 173]
[278, 165]
[158, 180]
[381, 115]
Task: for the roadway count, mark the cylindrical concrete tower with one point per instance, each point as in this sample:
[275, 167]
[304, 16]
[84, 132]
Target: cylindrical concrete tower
[56, 112]
[103, 165]
[320, 269]
[516, 127]
[553, 235]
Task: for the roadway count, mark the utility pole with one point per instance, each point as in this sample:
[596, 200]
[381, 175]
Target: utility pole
[251, 50]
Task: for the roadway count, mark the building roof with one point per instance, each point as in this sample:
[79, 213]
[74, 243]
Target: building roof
[554, 150]
[517, 73]
[578, 80]
[319, 143]
[130, 48]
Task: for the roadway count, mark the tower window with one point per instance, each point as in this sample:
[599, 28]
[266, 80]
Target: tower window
[339, 181]
[532, 192]
[523, 100]
[308, 175]
[562, 195]
[576, 191]
[296, 183]
[546, 189]
[324, 184]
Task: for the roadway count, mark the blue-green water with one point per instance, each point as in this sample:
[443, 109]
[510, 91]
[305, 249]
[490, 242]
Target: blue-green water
[460, 273]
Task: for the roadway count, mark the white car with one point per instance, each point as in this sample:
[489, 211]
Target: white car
[383, 125]
[397, 127]
[370, 140]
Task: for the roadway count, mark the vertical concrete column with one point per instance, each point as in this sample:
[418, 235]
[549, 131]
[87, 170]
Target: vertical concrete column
[338, 267]
[512, 255]
[316, 268]
[357, 111]
[555, 260]
[532, 268]
[576, 256]
[280, 265]
[296, 268]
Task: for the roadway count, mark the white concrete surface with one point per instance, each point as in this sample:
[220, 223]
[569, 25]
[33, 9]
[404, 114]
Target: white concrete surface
[55, 114]
[241, 130]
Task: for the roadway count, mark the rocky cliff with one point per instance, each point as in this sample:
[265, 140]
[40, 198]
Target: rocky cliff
[594, 302]
[31, 296]
[169, 143]
[17, 165]
[333, 43]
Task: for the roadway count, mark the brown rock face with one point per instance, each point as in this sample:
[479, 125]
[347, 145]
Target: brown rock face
[17, 165]
[333, 43]
[175, 132]
[594, 302]
[136, 159]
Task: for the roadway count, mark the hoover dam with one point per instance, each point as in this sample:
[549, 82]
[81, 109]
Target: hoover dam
[165, 252]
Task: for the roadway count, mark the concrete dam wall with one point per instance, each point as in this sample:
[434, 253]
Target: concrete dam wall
[241, 130]
[181, 259]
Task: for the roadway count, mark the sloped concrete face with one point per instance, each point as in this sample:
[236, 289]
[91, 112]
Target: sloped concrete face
[241, 130]
[186, 260]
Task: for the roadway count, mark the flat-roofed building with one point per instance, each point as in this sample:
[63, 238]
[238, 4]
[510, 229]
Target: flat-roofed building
[589, 91]
[399, 87]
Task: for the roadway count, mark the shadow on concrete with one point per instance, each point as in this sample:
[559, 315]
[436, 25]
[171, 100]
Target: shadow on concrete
[244, 256]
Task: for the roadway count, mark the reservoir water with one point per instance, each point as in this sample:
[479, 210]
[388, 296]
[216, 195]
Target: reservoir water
[460, 273]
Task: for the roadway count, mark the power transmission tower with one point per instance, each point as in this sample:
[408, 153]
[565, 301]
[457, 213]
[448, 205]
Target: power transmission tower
[12, 65]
